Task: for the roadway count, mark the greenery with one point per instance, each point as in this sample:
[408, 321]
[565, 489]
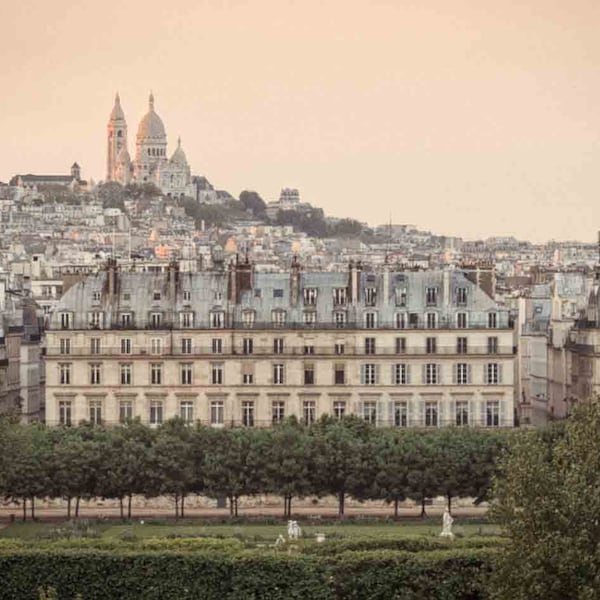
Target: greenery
[344, 457]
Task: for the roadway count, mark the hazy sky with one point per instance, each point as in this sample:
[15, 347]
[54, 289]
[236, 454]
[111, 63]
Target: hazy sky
[466, 117]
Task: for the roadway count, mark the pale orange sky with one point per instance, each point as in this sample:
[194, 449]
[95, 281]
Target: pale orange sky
[466, 117]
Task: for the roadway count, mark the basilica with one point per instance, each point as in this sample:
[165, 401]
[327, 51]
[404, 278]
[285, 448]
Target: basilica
[171, 175]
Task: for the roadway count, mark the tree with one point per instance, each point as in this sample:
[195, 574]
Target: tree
[423, 481]
[548, 502]
[253, 202]
[112, 195]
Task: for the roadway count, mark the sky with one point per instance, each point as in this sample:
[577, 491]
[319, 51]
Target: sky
[463, 117]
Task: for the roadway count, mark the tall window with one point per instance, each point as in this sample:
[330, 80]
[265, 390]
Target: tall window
[65, 320]
[217, 345]
[340, 319]
[96, 320]
[95, 373]
[310, 296]
[278, 346]
[400, 296]
[309, 374]
[217, 319]
[340, 296]
[339, 409]
[186, 411]
[370, 320]
[217, 412]
[492, 345]
[462, 413]
[369, 412]
[400, 320]
[186, 345]
[492, 373]
[431, 345]
[400, 345]
[492, 413]
[309, 411]
[125, 345]
[156, 412]
[247, 345]
[278, 374]
[461, 320]
[186, 319]
[125, 411]
[370, 345]
[248, 413]
[278, 318]
[156, 373]
[125, 320]
[155, 320]
[216, 373]
[64, 373]
[248, 317]
[339, 374]
[187, 295]
[462, 373]
[339, 348]
[461, 345]
[125, 373]
[370, 296]
[432, 375]
[95, 347]
[431, 294]
[461, 296]
[309, 318]
[400, 374]
[401, 414]
[369, 374]
[186, 373]
[156, 346]
[431, 414]
[309, 348]
[431, 320]
[278, 411]
[247, 373]
[65, 346]
[492, 320]
[64, 412]
[95, 407]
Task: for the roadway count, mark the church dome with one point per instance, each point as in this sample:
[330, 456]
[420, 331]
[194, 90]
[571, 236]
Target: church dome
[179, 156]
[151, 126]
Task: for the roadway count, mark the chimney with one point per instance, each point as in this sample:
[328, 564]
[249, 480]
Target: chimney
[447, 300]
[232, 289]
[112, 279]
[173, 280]
[355, 291]
[295, 281]
[386, 283]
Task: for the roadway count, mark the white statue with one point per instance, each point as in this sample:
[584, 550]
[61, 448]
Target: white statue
[294, 531]
[280, 540]
[447, 521]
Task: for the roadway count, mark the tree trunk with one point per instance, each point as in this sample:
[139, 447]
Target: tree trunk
[423, 513]
[396, 502]
[182, 505]
[231, 506]
[236, 506]
[285, 506]
[121, 508]
[77, 507]
[176, 506]
[289, 506]
[69, 508]
[341, 503]
[24, 509]
[33, 508]
[449, 502]
[129, 506]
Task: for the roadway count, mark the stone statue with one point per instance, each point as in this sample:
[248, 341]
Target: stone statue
[280, 540]
[293, 531]
[447, 521]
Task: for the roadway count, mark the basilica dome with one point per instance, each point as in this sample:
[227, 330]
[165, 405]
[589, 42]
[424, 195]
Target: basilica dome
[151, 127]
[179, 156]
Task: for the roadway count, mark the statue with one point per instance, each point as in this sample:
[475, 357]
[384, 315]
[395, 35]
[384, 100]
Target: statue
[280, 540]
[293, 531]
[447, 521]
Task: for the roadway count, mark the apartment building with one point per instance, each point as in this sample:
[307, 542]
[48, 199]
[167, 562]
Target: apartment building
[233, 346]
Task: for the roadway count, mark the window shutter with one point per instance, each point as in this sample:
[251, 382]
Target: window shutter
[362, 374]
[377, 374]
[455, 373]
[485, 374]
[424, 374]
[499, 373]
[439, 374]
[407, 373]
[468, 373]
[393, 375]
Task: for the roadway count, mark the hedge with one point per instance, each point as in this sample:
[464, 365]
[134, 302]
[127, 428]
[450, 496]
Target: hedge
[96, 574]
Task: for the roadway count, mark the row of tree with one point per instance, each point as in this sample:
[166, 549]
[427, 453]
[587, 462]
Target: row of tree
[344, 458]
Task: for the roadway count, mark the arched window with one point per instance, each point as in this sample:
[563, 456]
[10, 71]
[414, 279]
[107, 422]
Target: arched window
[119, 133]
[149, 152]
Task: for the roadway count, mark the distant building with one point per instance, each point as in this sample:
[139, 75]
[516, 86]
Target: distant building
[31, 182]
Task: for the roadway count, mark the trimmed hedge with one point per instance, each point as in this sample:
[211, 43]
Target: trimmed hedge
[97, 574]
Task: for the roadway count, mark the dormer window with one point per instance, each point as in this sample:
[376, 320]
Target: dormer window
[278, 293]
[186, 319]
[65, 320]
[370, 320]
[400, 296]
[309, 318]
[155, 320]
[400, 320]
[431, 294]
[370, 296]
[248, 317]
[96, 320]
[126, 319]
[340, 296]
[187, 295]
[217, 319]
[431, 320]
[492, 320]
[461, 296]
[339, 318]
[278, 317]
[156, 296]
[96, 296]
[310, 296]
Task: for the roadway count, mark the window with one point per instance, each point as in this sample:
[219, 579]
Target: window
[217, 345]
[431, 294]
[248, 318]
[309, 348]
[431, 414]
[278, 374]
[492, 320]
[370, 320]
[125, 411]
[96, 320]
[339, 409]
[125, 373]
[95, 346]
[370, 345]
[432, 375]
[400, 374]
[462, 373]
[278, 318]
[400, 320]
[216, 373]
[65, 346]
[126, 320]
[400, 296]
[431, 345]
[155, 320]
[247, 378]
[218, 296]
[64, 373]
[186, 345]
[370, 296]
[65, 320]
[125, 345]
[187, 295]
[278, 346]
[186, 319]
[155, 373]
[309, 318]
[400, 345]
[339, 374]
[431, 320]
[277, 293]
[309, 411]
[461, 320]
[96, 296]
[461, 345]
[339, 348]
[492, 345]
[217, 319]
[492, 413]
[64, 412]
[126, 296]
[309, 374]
[95, 373]
[462, 413]
[369, 374]
[156, 296]
[186, 411]
[340, 296]
[278, 411]
[95, 407]
[310, 296]
[340, 319]
[217, 412]
[186, 373]
[248, 413]
[156, 412]
[247, 346]
[369, 412]
[400, 414]
[156, 345]
[461, 296]
[492, 373]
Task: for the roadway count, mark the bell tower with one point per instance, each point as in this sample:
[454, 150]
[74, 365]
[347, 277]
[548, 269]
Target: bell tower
[117, 138]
